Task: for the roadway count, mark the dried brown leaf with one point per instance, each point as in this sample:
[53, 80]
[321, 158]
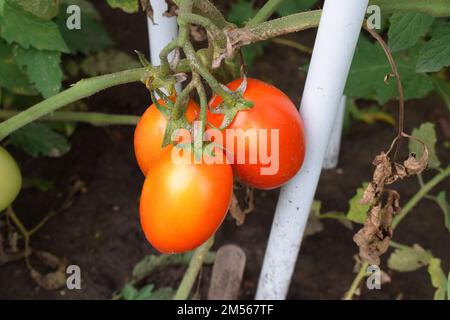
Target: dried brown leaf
[198, 33]
[373, 239]
[172, 9]
[53, 280]
[237, 212]
[147, 7]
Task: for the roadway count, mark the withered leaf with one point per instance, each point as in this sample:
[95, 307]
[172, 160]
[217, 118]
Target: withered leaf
[373, 239]
[172, 9]
[147, 7]
[237, 212]
[53, 280]
[197, 32]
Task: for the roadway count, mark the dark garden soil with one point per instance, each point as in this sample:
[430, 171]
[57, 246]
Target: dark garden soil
[100, 232]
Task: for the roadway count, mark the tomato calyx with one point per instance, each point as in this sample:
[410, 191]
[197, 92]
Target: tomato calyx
[230, 109]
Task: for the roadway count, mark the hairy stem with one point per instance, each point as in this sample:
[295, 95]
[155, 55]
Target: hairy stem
[293, 44]
[437, 8]
[80, 90]
[94, 118]
[193, 269]
[420, 194]
[357, 281]
[265, 12]
[207, 9]
[274, 28]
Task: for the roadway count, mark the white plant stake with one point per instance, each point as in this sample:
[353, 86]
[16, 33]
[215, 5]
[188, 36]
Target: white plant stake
[161, 31]
[334, 47]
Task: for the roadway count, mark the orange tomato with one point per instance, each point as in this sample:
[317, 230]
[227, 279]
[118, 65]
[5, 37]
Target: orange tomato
[272, 109]
[149, 134]
[182, 203]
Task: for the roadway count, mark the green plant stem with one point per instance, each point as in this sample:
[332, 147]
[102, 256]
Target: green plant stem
[207, 9]
[437, 8]
[193, 269]
[94, 118]
[420, 194]
[216, 32]
[164, 56]
[80, 90]
[293, 44]
[274, 28]
[265, 12]
[356, 282]
[406, 209]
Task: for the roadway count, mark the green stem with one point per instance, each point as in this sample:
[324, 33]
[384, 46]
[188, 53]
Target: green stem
[164, 56]
[356, 282]
[265, 12]
[198, 67]
[437, 8]
[207, 9]
[420, 194]
[292, 44]
[193, 269]
[182, 100]
[94, 118]
[80, 90]
[274, 28]
[215, 33]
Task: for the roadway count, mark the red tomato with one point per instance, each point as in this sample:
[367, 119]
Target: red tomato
[149, 134]
[272, 110]
[183, 204]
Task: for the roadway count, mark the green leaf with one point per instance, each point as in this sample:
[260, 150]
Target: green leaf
[435, 54]
[43, 69]
[241, 12]
[45, 9]
[152, 262]
[442, 88]
[448, 287]
[357, 211]
[253, 51]
[406, 29]
[91, 37]
[129, 292]
[24, 28]
[129, 6]
[148, 293]
[288, 7]
[11, 76]
[438, 278]
[441, 200]
[369, 68]
[408, 259]
[108, 61]
[427, 134]
[38, 139]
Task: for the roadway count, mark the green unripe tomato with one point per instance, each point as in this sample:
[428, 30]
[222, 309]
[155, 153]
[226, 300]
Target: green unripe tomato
[10, 179]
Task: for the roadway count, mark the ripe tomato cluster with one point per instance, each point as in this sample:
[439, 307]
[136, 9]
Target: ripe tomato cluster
[184, 202]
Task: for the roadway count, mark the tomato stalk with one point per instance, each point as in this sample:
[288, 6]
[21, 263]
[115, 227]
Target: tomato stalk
[193, 269]
[81, 89]
[93, 118]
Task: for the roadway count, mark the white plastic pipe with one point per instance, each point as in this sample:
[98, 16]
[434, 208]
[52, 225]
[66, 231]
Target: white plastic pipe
[334, 47]
[331, 158]
[161, 31]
